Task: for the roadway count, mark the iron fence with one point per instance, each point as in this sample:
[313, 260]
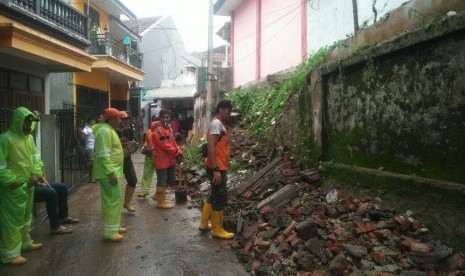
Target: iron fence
[70, 121]
[5, 119]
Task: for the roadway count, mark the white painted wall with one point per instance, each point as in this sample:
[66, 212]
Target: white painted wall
[329, 21]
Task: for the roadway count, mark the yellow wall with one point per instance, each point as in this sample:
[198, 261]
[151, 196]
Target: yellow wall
[119, 92]
[96, 79]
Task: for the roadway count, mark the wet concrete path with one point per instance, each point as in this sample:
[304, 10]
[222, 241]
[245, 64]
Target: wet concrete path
[158, 242]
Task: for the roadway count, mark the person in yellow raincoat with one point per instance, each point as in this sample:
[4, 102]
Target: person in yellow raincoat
[149, 166]
[20, 170]
[108, 171]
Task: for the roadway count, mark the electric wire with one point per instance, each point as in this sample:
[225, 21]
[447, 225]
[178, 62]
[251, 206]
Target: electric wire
[266, 42]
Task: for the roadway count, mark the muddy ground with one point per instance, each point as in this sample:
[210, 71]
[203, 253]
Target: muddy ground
[158, 242]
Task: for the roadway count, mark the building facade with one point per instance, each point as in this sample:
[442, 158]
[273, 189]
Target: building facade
[272, 36]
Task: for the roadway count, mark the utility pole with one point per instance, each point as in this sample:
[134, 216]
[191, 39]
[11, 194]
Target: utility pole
[355, 13]
[208, 112]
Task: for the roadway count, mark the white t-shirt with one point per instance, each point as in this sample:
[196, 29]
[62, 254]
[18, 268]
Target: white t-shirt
[89, 137]
[217, 127]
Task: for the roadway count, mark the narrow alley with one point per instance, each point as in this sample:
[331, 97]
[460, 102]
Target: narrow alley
[158, 242]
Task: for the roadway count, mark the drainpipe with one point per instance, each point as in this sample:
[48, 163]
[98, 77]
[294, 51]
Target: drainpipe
[209, 76]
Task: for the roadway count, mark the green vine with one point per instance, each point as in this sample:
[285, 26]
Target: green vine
[263, 105]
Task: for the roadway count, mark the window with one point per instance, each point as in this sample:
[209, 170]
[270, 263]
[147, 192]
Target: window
[36, 84]
[3, 78]
[18, 80]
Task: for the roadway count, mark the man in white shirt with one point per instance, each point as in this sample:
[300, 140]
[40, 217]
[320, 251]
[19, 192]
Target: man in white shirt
[89, 147]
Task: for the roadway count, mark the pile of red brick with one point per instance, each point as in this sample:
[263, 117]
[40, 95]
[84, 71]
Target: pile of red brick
[288, 224]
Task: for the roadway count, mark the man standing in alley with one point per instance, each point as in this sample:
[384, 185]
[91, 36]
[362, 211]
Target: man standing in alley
[217, 165]
[108, 171]
[126, 135]
[166, 153]
[20, 170]
[88, 136]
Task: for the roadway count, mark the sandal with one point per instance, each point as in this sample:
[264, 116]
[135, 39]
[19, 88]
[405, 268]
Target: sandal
[61, 230]
[69, 220]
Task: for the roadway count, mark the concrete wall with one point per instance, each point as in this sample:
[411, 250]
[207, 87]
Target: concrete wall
[281, 36]
[49, 149]
[266, 38]
[244, 35]
[403, 113]
[61, 89]
[396, 106]
[332, 20]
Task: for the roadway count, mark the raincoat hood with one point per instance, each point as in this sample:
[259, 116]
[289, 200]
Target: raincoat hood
[17, 120]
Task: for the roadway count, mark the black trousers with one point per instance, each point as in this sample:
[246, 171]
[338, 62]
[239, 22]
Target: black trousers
[56, 202]
[218, 196]
[129, 172]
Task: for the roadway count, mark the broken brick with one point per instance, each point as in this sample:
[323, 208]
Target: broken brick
[378, 257]
[263, 244]
[267, 210]
[255, 265]
[404, 223]
[382, 233]
[419, 249]
[318, 273]
[295, 241]
[289, 228]
[248, 246]
[365, 228]
[306, 229]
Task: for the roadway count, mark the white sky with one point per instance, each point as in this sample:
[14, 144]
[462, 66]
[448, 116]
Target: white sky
[190, 17]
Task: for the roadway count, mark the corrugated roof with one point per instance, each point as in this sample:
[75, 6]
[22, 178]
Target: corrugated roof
[175, 92]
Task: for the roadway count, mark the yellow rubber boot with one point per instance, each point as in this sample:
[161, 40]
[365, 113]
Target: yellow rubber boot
[17, 261]
[162, 203]
[34, 246]
[206, 211]
[218, 231]
[128, 193]
[155, 196]
[115, 238]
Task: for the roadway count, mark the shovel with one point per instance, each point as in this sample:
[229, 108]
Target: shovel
[180, 195]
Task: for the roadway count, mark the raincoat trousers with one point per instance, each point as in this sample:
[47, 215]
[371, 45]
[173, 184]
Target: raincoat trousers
[19, 160]
[149, 165]
[108, 158]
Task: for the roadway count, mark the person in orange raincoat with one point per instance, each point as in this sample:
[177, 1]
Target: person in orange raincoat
[166, 153]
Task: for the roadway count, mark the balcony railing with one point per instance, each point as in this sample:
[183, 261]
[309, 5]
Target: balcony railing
[104, 44]
[52, 13]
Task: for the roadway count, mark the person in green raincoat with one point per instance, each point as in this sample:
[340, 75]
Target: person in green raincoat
[108, 171]
[20, 170]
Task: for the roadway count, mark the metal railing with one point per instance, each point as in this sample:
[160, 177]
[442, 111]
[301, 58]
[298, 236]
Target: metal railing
[55, 12]
[72, 151]
[5, 119]
[105, 44]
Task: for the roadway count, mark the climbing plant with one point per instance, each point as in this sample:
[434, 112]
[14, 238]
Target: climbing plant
[262, 105]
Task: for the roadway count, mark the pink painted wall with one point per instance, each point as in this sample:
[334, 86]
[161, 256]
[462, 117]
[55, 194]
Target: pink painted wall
[268, 37]
[244, 42]
[281, 35]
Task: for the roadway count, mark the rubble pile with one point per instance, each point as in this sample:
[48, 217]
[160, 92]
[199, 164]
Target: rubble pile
[288, 222]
